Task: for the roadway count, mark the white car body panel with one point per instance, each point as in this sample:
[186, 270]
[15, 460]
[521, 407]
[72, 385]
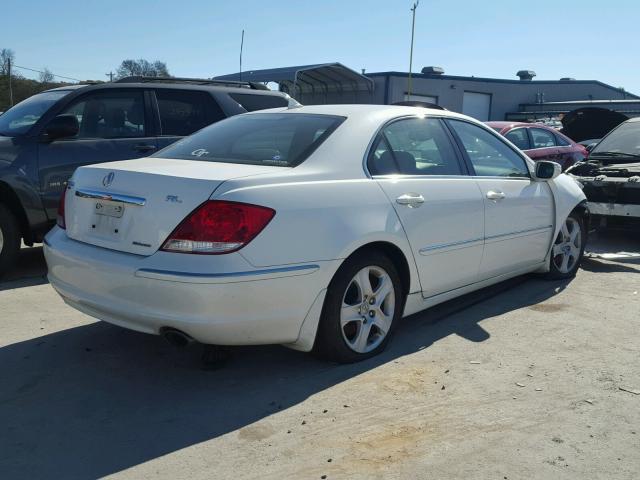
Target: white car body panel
[273, 289]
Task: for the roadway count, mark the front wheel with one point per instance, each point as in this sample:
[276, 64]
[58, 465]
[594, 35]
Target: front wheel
[363, 304]
[568, 248]
[9, 240]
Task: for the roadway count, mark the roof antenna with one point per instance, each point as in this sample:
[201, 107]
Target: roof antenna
[241, 46]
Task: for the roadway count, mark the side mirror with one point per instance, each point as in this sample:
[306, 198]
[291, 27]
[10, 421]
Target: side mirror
[62, 126]
[546, 170]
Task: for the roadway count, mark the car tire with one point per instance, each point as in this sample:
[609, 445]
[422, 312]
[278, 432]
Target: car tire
[9, 239]
[368, 286]
[568, 248]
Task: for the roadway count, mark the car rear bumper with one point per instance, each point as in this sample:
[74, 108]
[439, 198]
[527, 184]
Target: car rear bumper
[215, 299]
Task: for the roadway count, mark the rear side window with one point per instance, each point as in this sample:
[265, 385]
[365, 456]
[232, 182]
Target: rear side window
[563, 142]
[252, 103]
[414, 146]
[282, 140]
[542, 138]
[183, 112]
[519, 138]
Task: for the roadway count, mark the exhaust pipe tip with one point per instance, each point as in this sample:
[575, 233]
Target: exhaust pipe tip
[176, 338]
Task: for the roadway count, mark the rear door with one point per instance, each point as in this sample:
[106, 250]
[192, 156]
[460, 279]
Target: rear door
[440, 207]
[518, 212]
[183, 112]
[114, 125]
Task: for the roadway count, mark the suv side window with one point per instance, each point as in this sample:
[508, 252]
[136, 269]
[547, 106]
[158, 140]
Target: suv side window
[414, 146]
[542, 138]
[115, 114]
[519, 137]
[183, 112]
[252, 103]
[489, 155]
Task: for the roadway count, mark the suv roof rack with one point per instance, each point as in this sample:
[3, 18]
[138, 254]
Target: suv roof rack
[194, 81]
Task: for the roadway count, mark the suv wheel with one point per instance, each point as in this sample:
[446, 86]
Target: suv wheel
[9, 239]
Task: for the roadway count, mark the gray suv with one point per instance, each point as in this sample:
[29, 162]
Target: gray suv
[47, 136]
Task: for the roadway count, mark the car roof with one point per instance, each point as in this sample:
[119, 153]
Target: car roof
[364, 110]
[169, 85]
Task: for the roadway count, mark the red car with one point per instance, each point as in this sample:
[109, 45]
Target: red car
[540, 142]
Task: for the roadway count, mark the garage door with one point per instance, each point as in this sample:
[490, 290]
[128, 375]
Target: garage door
[476, 105]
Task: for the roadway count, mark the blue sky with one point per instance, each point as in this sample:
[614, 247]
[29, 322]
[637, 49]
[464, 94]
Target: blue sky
[585, 39]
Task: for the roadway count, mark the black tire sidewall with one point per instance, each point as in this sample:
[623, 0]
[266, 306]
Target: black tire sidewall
[11, 236]
[330, 343]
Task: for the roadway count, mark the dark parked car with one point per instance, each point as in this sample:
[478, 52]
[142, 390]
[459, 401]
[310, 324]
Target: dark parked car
[611, 177]
[540, 142]
[47, 136]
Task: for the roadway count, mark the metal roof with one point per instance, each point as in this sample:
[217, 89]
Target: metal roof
[321, 77]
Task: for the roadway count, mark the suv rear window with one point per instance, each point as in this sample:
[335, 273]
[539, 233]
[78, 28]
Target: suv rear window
[274, 139]
[183, 112]
[259, 102]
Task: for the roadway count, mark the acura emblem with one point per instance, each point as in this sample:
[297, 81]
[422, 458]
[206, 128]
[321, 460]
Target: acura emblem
[108, 179]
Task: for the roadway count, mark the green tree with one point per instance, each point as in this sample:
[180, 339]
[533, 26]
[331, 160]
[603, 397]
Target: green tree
[143, 68]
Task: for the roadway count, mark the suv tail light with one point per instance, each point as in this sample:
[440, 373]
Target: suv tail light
[60, 220]
[217, 227]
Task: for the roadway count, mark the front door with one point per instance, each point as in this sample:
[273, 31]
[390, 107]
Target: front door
[439, 205]
[518, 212]
[113, 126]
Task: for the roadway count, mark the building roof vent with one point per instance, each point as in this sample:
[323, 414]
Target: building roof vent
[433, 70]
[526, 75]
[567, 79]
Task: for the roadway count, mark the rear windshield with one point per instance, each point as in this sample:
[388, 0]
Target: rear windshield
[274, 139]
[20, 118]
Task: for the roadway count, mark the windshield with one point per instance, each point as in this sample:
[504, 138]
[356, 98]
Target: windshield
[20, 118]
[274, 139]
[624, 141]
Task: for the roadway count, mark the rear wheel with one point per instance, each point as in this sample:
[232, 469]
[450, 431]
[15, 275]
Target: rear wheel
[9, 240]
[363, 304]
[568, 248]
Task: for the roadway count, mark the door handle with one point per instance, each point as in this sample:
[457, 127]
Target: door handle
[495, 195]
[144, 147]
[411, 200]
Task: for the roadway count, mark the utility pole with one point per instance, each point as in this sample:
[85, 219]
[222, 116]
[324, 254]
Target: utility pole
[413, 28]
[110, 75]
[10, 89]
[241, 46]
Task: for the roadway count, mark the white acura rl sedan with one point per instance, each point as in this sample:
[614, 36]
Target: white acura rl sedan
[315, 227]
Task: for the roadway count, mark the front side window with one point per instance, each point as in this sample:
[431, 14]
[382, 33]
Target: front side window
[21, 117]
[183, 112]
[542, 138]
[273, 139]
[519, 137]
[109, 115]
[488, 154]
[415, 146]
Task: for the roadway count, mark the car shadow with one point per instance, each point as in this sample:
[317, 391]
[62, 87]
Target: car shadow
[96, 399]
[30, 270]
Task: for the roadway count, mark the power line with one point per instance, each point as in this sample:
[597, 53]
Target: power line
[40, 71]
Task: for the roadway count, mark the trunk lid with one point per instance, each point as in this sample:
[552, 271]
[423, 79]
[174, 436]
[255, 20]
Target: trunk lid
[132, 206]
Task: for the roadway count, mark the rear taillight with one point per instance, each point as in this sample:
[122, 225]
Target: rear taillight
[217, 227]
[60, 220]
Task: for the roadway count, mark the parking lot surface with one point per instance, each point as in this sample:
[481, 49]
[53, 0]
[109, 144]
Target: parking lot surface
[529, 379]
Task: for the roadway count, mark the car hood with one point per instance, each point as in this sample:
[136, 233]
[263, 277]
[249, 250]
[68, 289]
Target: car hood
[590, 122]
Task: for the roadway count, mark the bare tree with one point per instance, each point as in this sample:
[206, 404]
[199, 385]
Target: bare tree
[143, 68]
[46, 76]
[6, 54]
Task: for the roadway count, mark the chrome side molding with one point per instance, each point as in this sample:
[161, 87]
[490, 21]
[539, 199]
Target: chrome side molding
[113, 197]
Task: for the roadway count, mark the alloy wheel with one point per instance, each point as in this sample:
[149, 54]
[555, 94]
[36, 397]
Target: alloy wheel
[566, 249]
[368, 307]
[1, 240]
